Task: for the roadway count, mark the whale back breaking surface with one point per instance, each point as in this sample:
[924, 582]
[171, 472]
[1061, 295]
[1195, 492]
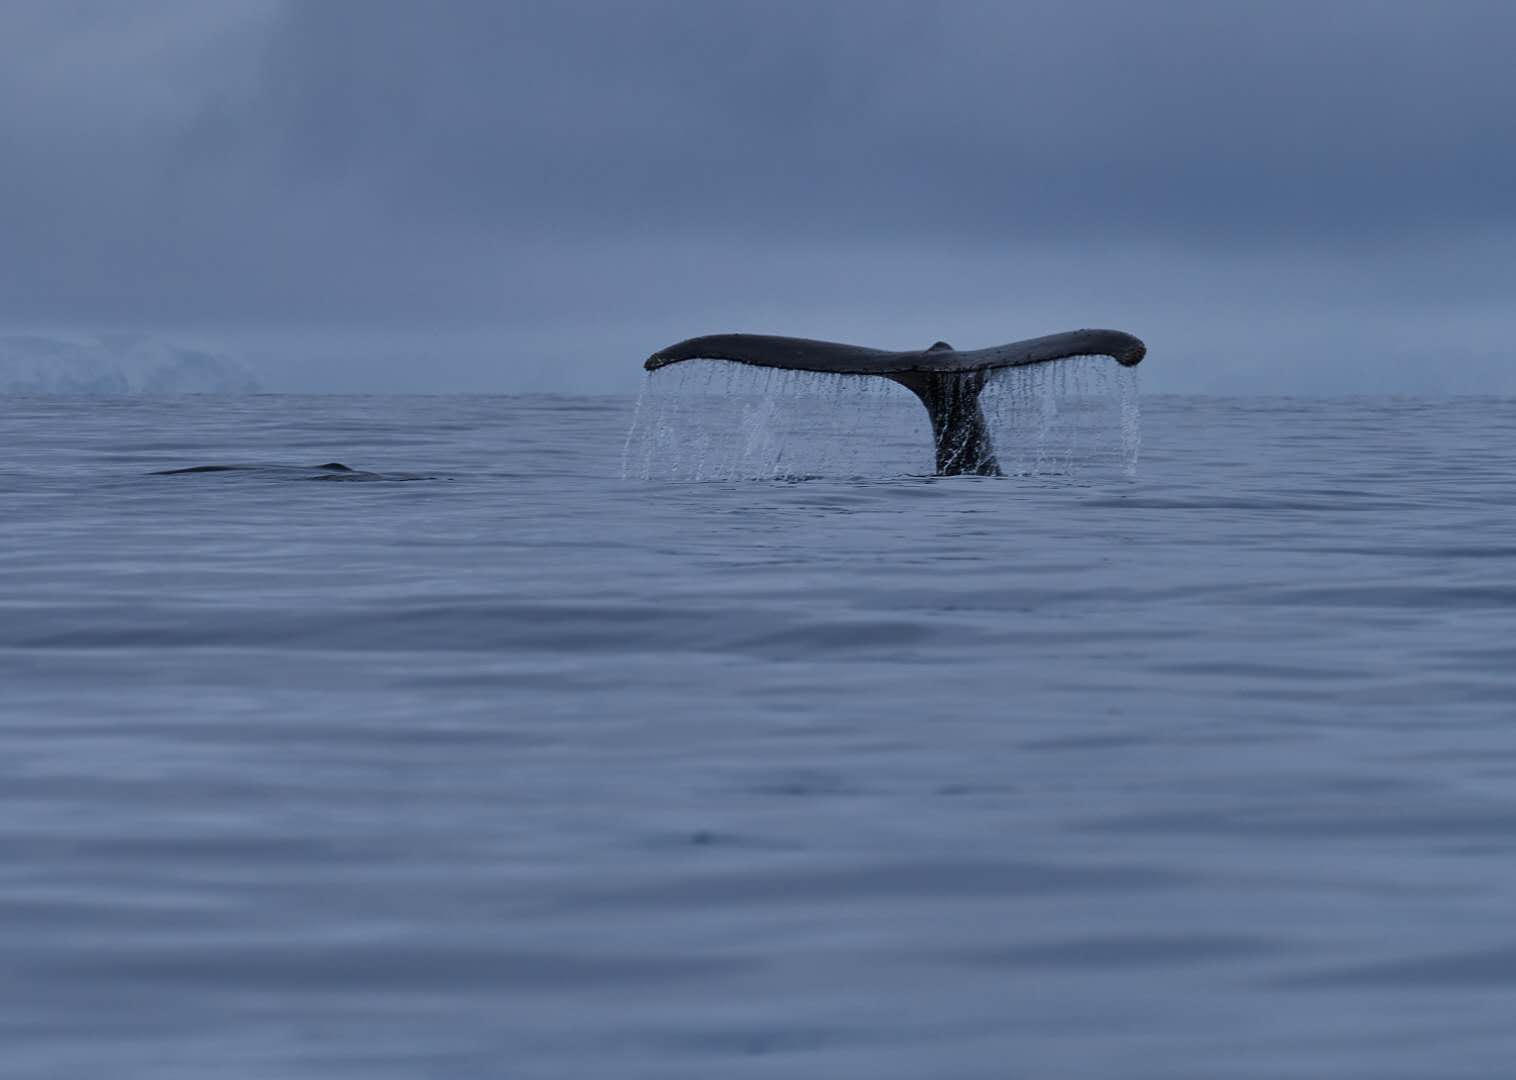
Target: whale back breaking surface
[331, 470]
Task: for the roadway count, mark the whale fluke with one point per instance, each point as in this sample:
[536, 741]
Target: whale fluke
[947, 381]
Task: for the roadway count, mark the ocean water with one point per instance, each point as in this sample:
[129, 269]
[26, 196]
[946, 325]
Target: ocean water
[525, 753]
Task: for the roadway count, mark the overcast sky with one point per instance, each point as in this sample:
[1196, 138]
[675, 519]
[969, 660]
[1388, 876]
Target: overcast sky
[479, 194]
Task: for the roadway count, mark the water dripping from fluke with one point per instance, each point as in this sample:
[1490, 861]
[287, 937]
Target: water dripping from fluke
[767, 407]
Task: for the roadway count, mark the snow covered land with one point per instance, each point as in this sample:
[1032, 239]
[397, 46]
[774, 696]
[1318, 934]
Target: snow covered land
[115, 364]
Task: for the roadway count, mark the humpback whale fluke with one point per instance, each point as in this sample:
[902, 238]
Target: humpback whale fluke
[947, 381]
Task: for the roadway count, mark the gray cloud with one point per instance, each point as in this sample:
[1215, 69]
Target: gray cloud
[588, 177]
[996, 121]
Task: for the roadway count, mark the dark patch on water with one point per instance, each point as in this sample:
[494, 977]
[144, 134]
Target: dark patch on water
[372, 968]
[924, 880]
[1373, 819]
[1121, 952]
[1480, 969]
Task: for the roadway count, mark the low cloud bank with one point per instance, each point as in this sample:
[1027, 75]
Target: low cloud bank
[115, 364]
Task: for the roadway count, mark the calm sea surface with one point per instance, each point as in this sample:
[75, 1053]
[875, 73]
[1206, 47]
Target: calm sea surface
[523, 769]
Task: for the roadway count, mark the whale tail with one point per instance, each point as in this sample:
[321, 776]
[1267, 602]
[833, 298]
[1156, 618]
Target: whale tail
[959, 430]
[947, 381]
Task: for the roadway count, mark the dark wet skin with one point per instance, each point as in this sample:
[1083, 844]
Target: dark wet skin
[331, 470]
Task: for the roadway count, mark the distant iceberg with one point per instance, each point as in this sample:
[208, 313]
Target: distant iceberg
[115, 364]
